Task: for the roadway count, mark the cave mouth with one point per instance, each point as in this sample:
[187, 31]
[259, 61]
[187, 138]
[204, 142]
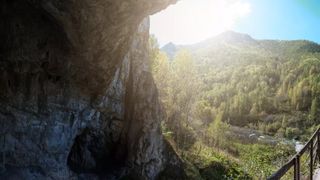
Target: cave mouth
[93, 152]
[64, 64]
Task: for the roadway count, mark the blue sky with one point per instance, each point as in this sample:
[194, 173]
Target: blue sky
[191, 21]
[282, 19]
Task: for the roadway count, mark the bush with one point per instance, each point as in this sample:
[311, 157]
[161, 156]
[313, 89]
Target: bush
[292, 133]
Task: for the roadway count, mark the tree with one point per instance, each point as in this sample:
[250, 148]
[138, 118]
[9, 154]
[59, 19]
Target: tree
[183, 92]
[162, 73]
[153, 49]
[217, 130]
[314, 110]
[176, 82]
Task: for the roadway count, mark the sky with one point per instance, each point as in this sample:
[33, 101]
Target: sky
[191, 21]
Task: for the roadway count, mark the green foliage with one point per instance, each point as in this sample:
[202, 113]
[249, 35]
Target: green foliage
[153, 49]
[270, 86]
[217, 130]
[314, 111]
[177, 84]
[204, 112]
[292, 132]
[258, 83]
[212, 165]
[262, 160]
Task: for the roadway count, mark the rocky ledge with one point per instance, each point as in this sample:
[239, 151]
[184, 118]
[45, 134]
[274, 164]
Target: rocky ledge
[77, 100]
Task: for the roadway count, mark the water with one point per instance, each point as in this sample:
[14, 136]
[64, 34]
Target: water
[298, 146]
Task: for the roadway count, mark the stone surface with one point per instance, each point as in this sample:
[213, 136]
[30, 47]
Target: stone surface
[77, 100]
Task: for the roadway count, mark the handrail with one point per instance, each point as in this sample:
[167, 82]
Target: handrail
[314, 146]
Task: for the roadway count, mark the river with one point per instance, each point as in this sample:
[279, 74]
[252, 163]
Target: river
[254, 136]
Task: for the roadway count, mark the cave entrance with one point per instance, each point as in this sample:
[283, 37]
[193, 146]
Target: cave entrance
[93, 152]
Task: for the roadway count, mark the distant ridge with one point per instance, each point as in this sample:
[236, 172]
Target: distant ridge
[238, 41]
[170, 49]
[233, 37]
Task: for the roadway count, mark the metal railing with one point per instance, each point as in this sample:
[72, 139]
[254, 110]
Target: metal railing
[311, 150]
[3, 153]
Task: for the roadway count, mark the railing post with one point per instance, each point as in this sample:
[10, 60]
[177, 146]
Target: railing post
[3, 153]
[297, 168]
[318, 146]
[311, 159]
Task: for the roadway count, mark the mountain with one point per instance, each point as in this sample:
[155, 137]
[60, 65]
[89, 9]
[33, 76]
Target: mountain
[228, 37]
[240, 95]
[170, 49]
[258, 83]
[233, 43]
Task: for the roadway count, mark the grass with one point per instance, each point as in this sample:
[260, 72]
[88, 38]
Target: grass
[203, 162]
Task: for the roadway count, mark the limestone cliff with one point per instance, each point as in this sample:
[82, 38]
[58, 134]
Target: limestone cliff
[77, 99]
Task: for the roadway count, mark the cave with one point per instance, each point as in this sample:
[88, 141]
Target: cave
[77, 97]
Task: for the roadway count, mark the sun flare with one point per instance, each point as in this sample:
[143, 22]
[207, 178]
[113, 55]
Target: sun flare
[191, 21]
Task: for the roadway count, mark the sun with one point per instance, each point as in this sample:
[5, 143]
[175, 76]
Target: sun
[190, 21]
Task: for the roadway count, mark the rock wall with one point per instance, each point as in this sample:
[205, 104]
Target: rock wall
[77, 99]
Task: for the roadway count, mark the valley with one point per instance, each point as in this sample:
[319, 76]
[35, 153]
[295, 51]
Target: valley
[240, 97]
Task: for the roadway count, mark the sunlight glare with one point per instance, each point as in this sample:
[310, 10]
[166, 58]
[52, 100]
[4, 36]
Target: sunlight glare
[190, 21]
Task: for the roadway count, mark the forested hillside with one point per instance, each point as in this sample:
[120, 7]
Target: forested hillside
[233, 83]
